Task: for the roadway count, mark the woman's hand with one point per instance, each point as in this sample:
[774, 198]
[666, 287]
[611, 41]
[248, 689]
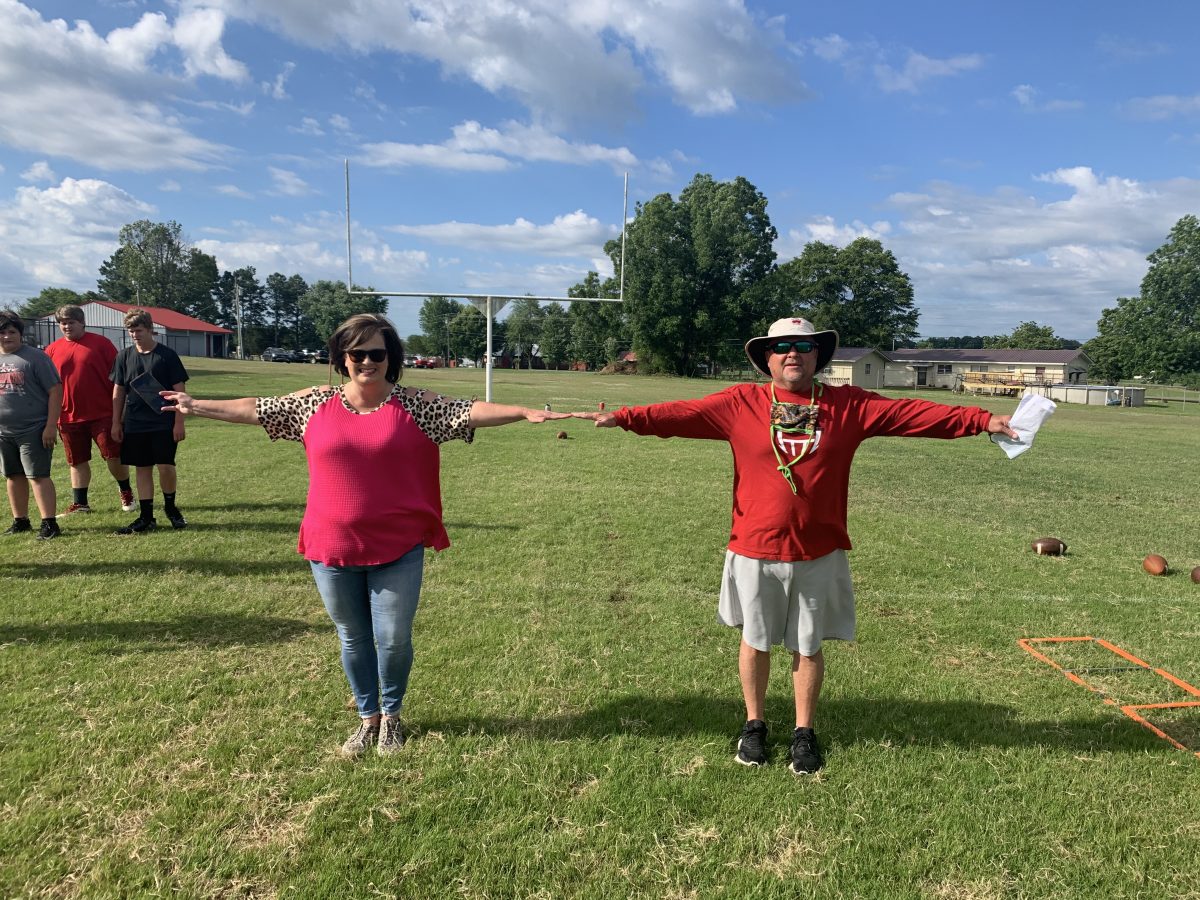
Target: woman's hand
[544, 415]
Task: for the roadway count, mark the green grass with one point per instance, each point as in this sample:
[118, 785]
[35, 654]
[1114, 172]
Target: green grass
[172, 702]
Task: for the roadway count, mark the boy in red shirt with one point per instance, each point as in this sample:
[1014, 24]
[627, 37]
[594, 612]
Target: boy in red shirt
[83, 361]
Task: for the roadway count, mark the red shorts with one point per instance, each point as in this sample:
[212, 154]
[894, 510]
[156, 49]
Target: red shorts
[77, 438]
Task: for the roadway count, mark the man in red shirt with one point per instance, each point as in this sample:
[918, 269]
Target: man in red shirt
[83, 361]
[787, 578]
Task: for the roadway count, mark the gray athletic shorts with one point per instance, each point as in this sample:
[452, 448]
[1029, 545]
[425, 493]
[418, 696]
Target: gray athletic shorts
[23, 454]
[797, 604]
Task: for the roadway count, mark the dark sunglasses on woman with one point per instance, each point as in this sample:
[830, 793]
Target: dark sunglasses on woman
[377, 355]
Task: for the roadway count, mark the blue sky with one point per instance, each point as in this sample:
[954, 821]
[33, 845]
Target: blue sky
[1020, 159]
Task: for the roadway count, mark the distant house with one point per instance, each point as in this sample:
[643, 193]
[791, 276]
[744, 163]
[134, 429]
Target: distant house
[954, 368]
[183, 334]
[860, 366]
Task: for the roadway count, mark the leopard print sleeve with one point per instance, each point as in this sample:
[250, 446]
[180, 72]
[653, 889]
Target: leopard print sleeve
[285, 418]
[441, 418]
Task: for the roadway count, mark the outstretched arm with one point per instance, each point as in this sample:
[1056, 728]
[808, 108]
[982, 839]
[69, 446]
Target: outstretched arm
[240, 412]
[487, 415]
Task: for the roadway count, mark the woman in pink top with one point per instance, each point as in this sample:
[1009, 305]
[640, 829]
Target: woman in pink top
[374, 502]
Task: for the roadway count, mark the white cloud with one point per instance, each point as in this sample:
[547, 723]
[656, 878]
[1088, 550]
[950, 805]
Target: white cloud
[1125, 49]
[1163, 106]
[288, 183]
[170, 186]
[58, 236]
[573, 234]
[474, 147]
[66, 91]
[1026, 96]
[277, 89]
[39, 171]
[308, 126]
[390, 155]
[232, 190]
[997, 259]
[830, 48]
[572, 61]
[313, 247]
[919, 68]
[197, 33]
[339, 123]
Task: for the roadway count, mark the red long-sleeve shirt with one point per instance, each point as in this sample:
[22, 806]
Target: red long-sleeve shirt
[769, 521]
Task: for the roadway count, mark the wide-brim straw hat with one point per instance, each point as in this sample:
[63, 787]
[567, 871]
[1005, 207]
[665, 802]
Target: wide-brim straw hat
[781, 329]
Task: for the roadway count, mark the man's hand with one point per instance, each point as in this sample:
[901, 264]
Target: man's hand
[118, 431]
[49, 435]
[999, 425]
[602, 419]
[544, 415]
[178, 433]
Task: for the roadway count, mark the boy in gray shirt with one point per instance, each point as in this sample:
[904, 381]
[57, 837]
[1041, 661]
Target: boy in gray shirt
[30, 401]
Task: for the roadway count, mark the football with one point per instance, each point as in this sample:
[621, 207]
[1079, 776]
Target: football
[1049, 546]
[1155, 564]
[562, 435]
[1196, 575]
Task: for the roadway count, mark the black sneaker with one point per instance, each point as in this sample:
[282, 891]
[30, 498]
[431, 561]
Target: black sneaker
[752, 745]
[18, 526]
[48, 530]
[806, 754]
[176, 517]
[138, 526]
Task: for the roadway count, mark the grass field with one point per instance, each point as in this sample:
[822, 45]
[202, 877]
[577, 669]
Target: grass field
[172, 702]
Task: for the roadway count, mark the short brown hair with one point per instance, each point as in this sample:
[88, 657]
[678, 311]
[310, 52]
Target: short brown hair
[137, 317]
[360, 328]
[70, 311]
[10, 318]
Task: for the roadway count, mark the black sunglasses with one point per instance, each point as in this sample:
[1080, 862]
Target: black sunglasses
[782, 347]
[377, 354]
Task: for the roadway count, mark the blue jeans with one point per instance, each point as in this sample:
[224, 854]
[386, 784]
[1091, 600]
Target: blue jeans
[373, 609]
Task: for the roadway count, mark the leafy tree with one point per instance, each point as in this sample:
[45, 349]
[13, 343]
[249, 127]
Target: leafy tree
[435, 316]
[523, 327]
[858, 290]
[149, 265]
[1026, 336]
[691, 263]
[468, 334]
[327, 304]
[592, 324]
[49, 300]
[283, 310]
[418, 345]
[556, 335]
[1158, 333]
[200, 280]
[242, 287]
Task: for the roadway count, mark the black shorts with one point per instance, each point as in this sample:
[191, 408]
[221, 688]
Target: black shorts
[149, 448]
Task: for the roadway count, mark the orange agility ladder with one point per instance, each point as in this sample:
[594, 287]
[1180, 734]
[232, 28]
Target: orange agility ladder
[1133, 710]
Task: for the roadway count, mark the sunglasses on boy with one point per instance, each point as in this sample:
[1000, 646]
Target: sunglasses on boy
[376, 355]
[784, 347]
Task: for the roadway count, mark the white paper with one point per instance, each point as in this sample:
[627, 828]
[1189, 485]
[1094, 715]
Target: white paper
[1030, 414]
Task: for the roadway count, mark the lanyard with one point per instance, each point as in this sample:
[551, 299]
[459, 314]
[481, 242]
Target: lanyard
[791, 418]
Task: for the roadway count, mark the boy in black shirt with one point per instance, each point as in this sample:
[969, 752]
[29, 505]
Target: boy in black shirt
[148, 437]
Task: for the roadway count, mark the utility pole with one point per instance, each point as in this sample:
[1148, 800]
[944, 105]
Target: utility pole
[237, 311]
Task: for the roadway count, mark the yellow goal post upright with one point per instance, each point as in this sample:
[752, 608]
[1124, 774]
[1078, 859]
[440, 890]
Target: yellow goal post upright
[488, 304]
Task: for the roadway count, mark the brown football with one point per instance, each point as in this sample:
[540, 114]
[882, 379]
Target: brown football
[562, 435]
[1049, 546]
[1155, 564]
[1196, 575]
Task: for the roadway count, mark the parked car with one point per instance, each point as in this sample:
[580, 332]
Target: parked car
[277, 354]
[299, 356]
[321, 356]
